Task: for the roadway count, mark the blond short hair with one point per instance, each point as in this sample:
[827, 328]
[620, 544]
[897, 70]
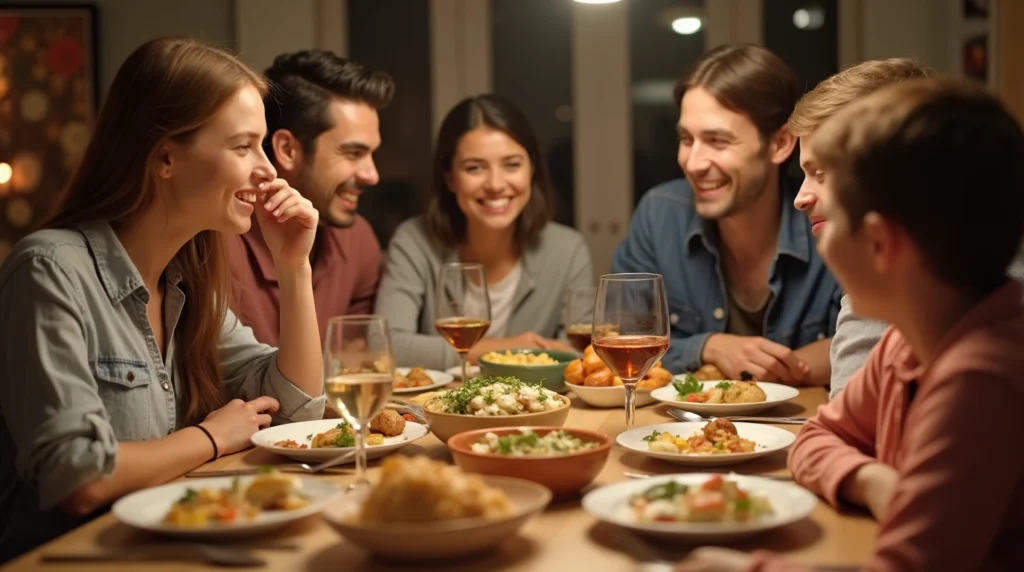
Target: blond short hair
[851, 84]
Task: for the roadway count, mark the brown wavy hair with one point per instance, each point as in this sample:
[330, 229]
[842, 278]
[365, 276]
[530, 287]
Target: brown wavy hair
[167, 89]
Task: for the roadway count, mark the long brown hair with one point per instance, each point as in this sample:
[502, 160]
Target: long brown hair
[167, 89]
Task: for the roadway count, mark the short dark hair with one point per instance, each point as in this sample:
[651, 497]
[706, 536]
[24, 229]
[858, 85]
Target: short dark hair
[445, 219]
[917, 153]
[303, 83]
[747, 79]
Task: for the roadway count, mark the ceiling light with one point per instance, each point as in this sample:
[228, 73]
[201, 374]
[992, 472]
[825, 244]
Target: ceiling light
[811, 18]
[686, 26]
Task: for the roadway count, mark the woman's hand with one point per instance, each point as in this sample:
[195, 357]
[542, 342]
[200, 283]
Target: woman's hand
[714, 560]
[288, 221]
[233, 424]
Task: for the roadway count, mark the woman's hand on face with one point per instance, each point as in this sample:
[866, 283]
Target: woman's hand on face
[233, 424]
[288, 221]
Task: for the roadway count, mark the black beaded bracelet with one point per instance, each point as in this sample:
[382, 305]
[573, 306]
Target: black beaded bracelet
[216, 452]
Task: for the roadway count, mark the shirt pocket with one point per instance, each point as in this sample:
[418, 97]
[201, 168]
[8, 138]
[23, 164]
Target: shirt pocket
[124, 386]
[684, 320]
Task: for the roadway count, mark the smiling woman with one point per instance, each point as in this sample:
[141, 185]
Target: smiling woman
[490, 202]
[122, 367]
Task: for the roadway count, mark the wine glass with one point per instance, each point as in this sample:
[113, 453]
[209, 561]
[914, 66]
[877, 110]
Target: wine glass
[579, 316]
[462, 307]
[630, 329]
[359, 373]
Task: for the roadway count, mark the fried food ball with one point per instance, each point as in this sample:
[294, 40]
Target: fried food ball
[389, 422]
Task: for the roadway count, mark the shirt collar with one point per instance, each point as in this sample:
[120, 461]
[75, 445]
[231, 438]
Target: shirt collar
[794, 228]
[117, 272]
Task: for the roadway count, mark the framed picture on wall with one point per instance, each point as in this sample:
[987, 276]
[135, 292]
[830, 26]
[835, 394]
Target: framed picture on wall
[49, 92]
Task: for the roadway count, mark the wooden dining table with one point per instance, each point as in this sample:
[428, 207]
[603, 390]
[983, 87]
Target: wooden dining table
[563, 538]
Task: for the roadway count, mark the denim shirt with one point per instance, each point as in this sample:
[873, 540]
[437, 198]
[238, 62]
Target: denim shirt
[80, 370]
[668, 237]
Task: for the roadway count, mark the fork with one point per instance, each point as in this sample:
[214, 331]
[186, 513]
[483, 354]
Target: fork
[691, 416]
[303, 468]
[411, 408]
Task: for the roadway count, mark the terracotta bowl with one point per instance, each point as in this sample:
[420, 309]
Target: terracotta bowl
[444, 425]
[563, 474]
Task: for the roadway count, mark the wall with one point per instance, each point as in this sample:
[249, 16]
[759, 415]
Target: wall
[125, 24]
[920, 29]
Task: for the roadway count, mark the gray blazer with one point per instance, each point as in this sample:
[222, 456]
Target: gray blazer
[560, 263]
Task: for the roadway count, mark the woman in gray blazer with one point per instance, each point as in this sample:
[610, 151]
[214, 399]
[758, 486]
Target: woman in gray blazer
[490, 202]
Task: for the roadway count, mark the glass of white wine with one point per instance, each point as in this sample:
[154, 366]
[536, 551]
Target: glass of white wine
[359, 373]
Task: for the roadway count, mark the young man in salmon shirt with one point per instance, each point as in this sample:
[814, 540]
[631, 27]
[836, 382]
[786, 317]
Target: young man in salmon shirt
[925, 436]
[322, 131]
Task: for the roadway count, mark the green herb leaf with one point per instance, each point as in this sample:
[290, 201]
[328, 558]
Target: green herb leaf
[189, 496]
[743, 505]
[652, 437]
[723, 385]
[666, 491]
[688, 386]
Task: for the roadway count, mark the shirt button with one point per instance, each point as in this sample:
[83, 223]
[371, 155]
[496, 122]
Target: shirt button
[821, 335]
[131, 376]
[674, 318]
[166, 386]
[718, 313]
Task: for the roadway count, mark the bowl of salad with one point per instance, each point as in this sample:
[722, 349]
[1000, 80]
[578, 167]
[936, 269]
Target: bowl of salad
[490, 402]
[564, 460]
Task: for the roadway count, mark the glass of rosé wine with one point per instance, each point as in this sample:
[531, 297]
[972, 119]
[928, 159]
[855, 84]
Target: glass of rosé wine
[462, 311]
[631, 328]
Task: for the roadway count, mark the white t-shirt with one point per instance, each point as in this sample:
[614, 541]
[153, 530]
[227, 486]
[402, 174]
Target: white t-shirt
[502, 295]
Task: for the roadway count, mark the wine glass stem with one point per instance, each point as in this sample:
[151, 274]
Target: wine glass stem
[465, 360]
[361, 456]
[630, 386]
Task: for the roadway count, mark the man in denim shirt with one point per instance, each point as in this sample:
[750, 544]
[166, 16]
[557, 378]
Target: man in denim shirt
[746, 288]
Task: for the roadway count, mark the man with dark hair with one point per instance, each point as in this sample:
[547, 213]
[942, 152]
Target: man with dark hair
[747, 291]
[322, 130]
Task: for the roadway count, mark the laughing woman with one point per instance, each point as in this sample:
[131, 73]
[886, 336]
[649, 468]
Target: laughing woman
[490, 202]
[121, 367]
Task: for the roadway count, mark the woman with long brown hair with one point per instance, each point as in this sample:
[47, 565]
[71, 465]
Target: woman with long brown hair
[121, 366]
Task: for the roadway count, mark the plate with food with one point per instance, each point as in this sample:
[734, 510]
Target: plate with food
[225, 507]
[487, 402]
[596, 385]
[416, 379]
[700, 507]
[421, 508]
[456, 371]
[325, 439]
[719, 442]
[723, 397]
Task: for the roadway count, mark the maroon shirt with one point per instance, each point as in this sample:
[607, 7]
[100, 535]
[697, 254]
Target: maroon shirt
[346, 271]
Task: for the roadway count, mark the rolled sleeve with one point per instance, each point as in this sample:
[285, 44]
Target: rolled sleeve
[684, 354]
[51, 406]
[250, 371]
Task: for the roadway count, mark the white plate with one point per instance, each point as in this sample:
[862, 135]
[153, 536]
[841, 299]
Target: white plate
[768, 440]
[789, 502]
[775, 393]
[471, 371]
[614, 396]
[302, 431]
[146, 509]
[440, 378]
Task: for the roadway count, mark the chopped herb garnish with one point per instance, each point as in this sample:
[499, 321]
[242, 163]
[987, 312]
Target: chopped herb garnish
[723, 385]
[687, 386]
[189, 496]
[743, 505]
[652, 437]
[666, 491]
[309, 437]
[457, 400]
